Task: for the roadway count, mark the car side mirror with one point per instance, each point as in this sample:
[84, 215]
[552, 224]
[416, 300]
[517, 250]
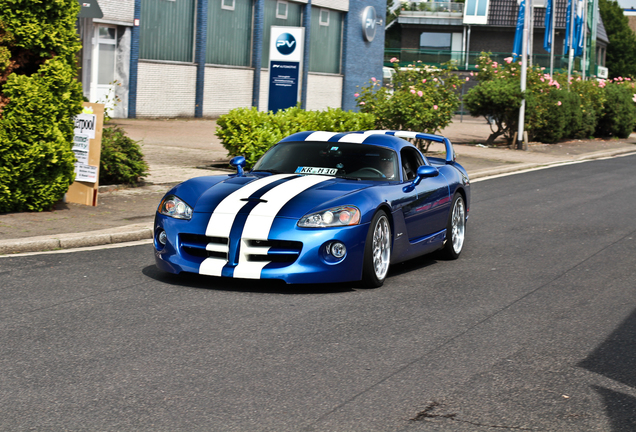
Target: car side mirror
[425, 171]
[239, 163]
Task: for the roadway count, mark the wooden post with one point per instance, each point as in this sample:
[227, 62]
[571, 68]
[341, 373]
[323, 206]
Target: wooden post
[87, 146]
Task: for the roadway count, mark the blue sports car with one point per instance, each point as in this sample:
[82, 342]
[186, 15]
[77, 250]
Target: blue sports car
[318, 207]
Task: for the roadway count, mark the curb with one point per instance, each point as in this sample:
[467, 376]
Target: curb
[129, 233]
[518, 167]
[122, 234]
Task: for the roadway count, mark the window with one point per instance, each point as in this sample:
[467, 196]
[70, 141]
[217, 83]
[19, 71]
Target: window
[167, 30]
[281, 9]
[324, 17]
[476, 12]
[435, 41]
[227, 4]
[326, 41]
[229, 33]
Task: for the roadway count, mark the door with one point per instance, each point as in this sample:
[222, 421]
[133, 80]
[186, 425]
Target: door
[103, 67]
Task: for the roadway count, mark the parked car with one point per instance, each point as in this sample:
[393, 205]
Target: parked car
[318, 207]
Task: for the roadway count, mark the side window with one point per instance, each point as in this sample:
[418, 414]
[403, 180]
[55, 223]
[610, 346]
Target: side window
[411, 160]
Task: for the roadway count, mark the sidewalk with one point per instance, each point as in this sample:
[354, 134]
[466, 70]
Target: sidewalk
[177, 150]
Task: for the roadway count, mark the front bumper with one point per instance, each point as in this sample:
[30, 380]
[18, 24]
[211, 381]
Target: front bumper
[292, 254]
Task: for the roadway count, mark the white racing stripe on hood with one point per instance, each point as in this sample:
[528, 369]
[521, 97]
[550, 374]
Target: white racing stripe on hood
[260, 220]
[358, 138]
[320, 136]
[223, 216]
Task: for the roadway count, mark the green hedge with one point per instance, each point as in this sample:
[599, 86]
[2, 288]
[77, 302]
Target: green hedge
[250, 133]
[39, 95]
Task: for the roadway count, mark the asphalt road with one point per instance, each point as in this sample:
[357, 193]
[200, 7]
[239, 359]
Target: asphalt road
[533, 328]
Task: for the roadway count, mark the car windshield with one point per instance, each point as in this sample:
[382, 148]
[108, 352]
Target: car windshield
[345, 160]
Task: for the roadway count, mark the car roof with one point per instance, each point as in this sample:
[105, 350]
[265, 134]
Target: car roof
[384, 138]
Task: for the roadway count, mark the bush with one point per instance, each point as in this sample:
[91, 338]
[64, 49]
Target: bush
[39, 96]
[619, 112]
[249, 132]
[121, 160]
[419, 99]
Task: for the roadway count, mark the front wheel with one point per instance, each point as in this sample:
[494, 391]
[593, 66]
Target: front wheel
[455, 229]
[377, 251]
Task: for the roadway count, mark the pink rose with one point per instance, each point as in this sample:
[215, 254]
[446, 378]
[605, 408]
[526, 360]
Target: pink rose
[559, 103]
[420, 93]
[434, 107]
[373, 79]
[356, 94]
[412, 91]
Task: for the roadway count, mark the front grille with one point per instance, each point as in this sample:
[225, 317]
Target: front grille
[203, 246]
[278, 251]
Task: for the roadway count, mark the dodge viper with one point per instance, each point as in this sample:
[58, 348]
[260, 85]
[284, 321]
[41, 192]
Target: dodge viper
[318, 207]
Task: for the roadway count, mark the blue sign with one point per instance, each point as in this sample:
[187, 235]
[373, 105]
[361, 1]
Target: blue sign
[285, 44]
[283, 84]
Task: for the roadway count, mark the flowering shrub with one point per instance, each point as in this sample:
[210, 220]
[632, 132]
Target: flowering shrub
[419, 98]
[555, 109]
[619, 112]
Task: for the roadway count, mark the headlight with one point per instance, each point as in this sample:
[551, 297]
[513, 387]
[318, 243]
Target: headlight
[333, 217]
[175, 207]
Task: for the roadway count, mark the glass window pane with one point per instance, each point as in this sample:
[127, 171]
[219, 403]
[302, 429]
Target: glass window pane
[470, 7]
[326, 41]
[106, 72]
[107, 33]
[167, 30]
[435, 41]
[481, 8]
[229, 39]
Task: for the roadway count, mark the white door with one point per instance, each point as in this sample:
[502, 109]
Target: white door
[103, 67]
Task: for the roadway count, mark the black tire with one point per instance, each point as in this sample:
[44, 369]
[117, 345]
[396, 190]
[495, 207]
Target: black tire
[455, 229]
[377, 251]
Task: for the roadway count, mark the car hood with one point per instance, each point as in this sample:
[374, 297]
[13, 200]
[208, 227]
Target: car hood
[286, 195]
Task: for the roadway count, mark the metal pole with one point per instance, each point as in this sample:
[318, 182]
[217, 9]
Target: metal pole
[531, 31]
[468, 48]
[524, 71]
[571, 52]
[584, 60]
[553, 45]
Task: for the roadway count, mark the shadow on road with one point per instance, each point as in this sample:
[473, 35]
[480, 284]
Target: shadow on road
[191, 280]
[615, 358]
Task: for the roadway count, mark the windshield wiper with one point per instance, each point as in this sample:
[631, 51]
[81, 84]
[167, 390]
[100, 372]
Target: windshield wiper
[349, 178]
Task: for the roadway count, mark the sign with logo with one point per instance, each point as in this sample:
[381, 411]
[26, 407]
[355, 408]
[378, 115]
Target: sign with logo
[285, 66]
[369, 18]
[87, 144]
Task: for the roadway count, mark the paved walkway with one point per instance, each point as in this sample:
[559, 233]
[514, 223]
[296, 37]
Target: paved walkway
[179, 149]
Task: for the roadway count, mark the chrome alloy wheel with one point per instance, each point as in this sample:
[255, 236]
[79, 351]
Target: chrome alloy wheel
[381, 247]
[458, 225]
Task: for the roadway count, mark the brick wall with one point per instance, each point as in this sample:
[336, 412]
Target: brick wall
[118, 10]
[166, 90]
[225, 89]
[324, 91]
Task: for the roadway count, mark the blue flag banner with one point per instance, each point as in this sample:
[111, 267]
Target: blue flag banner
[517, 48]
[577, 37]
[547, 39]
[568, 13]
[578, 29]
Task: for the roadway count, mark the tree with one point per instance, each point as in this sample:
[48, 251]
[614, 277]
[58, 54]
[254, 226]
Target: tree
[39, 95]
[621, 52]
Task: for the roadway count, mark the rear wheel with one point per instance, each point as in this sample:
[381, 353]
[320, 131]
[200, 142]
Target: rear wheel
[455, 229]
[377, 251]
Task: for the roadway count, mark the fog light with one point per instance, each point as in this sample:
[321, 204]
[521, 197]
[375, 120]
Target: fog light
[162, 237]
[338, 249]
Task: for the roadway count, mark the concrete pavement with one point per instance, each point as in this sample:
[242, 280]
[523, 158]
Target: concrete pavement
[179, 149]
